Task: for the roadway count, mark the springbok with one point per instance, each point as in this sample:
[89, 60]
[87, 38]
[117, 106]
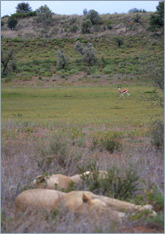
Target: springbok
[123, 91]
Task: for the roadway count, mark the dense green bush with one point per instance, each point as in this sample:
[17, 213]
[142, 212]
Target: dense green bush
[94, 17]
[23, 8]
[119, 41]
[120, 184]
[157, 19]
[12, 22]
[24, 15]
[86, 26]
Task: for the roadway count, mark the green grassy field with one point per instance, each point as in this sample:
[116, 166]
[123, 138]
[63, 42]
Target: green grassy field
[79, 106]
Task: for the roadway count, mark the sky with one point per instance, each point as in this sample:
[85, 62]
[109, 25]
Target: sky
[77, 7]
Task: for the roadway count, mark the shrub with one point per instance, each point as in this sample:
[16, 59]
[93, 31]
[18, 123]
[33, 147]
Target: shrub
[12, 22]
[94, 17]
[23, 8]
[8, 61]
[2, 23]
[157, 134]
[86, 26]
[44, 15]
[55, 152]
[62, 60]
[74, 29]
[79, 47]
[119, 41]
[90, 55]
[72, 20]
[137, 18]
[157, 19]
[108, 143]
[120, 184]
[85, 12]
[24, 15]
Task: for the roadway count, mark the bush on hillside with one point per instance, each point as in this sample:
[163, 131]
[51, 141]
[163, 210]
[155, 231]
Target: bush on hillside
[8, 61]
[119, 41]
[12, 22]
[23, 8]
[86, 26]
[157, 19]
[90, 55]
[44, 15]
[62, 60]
[85, 12]
[79, 47]
[24, 15]
[94, 17]
[135, 10]
[137, 18]
[74, 29]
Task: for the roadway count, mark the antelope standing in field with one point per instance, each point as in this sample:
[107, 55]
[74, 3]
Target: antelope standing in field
[123, 91]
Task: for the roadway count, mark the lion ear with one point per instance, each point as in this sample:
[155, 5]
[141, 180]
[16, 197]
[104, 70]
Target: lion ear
[86, 198]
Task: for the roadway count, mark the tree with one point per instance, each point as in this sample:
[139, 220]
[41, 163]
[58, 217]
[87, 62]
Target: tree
[23, 8]
[8, 61]
[135, 10]
[62, 60]
[119, 41]
[12, 22]
[94, 17]
[157, 19]
[86, 25]
[90, 55]
[85, 12]
[44, 15]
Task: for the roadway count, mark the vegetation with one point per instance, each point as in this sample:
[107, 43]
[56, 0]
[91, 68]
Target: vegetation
[62, 60]
[157, 19]
[157, 134]
[94, 17]
[23, 8]
[116, 184]
[86, 26]
[24, 15]
[44, 15]
[135, 10]
[12, 22]
[8, 61]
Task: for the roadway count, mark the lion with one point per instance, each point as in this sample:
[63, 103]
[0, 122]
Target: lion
[62, 182]
[57, 181]
[76, 201]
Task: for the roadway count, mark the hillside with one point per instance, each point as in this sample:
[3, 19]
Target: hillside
[35, 47]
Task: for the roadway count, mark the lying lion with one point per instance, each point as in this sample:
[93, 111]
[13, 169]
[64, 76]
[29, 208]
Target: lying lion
[63, 182]
[76, 201]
